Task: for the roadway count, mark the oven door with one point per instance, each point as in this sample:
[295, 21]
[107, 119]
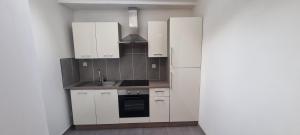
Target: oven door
[133, 106]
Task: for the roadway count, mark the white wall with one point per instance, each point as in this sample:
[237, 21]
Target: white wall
[52, 33]
[22, 110]
[121, 16]
[251, 67]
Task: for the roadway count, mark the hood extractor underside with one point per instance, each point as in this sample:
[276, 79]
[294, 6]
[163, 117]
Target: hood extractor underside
[133, 37]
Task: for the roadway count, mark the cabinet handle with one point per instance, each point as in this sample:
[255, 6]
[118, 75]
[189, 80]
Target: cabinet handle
[82, 93]
[85, 56]
[108, 55]
[102, 93]
[159, 100]
[158, 54]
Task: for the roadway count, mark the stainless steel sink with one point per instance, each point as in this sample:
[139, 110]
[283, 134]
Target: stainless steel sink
[93, 84]
[108, 83]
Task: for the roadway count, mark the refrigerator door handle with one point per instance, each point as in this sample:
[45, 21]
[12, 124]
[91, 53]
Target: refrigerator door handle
[171, 80]
[171, 56]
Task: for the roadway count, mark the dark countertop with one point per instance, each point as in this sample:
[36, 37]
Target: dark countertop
[93, 86]
[159, 84]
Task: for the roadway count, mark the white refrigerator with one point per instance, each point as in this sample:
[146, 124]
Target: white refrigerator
[185, 38]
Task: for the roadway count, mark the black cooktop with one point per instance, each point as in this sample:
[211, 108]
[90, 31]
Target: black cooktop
[135, 83]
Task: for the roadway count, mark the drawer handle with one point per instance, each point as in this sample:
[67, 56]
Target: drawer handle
[159, 91]
[159, 100]
[157, 54]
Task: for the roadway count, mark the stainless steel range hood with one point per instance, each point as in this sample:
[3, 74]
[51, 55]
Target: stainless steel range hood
[133, 37]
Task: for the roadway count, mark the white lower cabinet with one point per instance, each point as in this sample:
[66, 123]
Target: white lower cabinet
[92, 107]
[83, 107]
[107, 108]
[159, 105]
[159, 109]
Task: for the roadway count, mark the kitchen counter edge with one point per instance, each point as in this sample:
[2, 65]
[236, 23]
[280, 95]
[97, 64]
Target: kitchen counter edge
[152, 84]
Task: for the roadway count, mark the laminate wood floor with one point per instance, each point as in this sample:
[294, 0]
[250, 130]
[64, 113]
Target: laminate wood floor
[195, 130]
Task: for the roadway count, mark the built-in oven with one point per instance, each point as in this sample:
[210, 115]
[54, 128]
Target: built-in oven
[133, 103]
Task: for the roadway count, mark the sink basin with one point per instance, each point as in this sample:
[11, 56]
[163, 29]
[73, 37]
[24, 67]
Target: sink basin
[108, 83]
[93, 84]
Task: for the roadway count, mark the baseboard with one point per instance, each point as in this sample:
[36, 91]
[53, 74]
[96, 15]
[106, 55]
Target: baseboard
[201, 128]
[135, 120]
[138, 125]
[66, 129]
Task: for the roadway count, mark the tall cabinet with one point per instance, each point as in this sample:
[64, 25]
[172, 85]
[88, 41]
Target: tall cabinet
[185, 37]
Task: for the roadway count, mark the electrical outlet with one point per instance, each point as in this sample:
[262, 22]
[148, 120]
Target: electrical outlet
[153, 66]
[84, 64]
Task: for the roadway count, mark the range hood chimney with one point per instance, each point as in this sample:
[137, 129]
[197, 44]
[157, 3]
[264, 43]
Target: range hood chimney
[133, 37]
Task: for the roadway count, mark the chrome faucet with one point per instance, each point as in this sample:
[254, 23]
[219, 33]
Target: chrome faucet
[100, 81]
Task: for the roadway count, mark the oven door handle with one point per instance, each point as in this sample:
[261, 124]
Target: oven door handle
[134, 98]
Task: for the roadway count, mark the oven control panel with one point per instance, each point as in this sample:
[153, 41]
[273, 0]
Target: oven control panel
[134, 92]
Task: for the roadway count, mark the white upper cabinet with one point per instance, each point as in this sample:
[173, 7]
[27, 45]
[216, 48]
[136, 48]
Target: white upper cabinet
[185, 41]
[84, 40]
[96, 40]
[107, 34]
[157, 39]
[107, 107]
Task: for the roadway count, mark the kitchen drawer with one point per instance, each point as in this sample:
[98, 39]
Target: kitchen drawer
[159, 92]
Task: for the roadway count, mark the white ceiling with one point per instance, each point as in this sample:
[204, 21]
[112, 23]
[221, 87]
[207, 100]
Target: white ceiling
[124, 4]
[136, 0]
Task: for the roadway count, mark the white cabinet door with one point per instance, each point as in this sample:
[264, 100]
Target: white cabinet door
[83, 107]
[159, 109]
[184, 94]
[84, 36]
[107, 34]
[157, 39]
[107, 107]
[185, 41]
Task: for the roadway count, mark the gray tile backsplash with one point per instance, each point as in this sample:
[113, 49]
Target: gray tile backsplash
[133, 64]
[99, 65]
[113, 69]
[139, 66]
[69, 71]
[126, 67]
[163, 68]
[153, 73]
[86, 69]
